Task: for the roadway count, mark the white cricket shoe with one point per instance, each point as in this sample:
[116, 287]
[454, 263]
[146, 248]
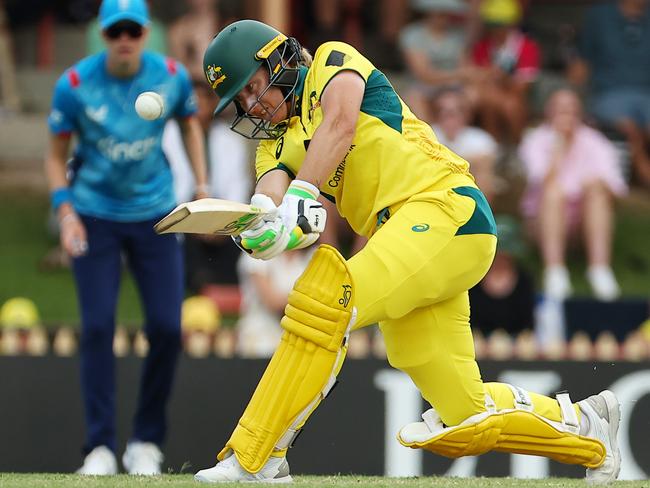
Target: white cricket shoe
[603, 283]
[142, 458]
[99, 462]
[557, 284]
[276, 470]
[603, 415]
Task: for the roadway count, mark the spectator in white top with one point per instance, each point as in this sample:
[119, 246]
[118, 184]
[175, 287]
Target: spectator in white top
[265, 286]
[478, 147]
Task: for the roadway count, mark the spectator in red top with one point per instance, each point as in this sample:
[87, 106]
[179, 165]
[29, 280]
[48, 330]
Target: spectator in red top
[512, 59]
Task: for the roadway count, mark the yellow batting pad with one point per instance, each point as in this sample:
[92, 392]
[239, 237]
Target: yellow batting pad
[518, 430]
[317, 321]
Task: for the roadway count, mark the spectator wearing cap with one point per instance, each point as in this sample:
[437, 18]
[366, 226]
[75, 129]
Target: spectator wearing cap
[513, 61]
[121, 185]
[573, 175]
[435, 51]
[505, 297]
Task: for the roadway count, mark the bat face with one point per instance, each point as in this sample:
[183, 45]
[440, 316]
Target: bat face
[210, 216]
[238, 226]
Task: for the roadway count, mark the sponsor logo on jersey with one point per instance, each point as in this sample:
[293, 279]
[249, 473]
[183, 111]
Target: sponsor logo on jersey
[278, 147]
[336, 179]
[119, 151]
[56, 116]
[97, 114]
[420, 228]
[214, 75]
[314, 104]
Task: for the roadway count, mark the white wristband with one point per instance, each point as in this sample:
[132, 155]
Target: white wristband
[304, 186]
[68, 218]
[204, 188]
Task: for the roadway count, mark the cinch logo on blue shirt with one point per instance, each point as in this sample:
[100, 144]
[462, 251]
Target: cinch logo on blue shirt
[123, 174]
[123, 151]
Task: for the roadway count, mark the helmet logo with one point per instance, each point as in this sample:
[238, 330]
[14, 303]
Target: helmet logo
[270, 46]
[214, 75]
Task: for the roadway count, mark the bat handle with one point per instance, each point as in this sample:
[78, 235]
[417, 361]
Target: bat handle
[294, 237]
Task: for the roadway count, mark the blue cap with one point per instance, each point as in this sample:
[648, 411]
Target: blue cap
[112, 11]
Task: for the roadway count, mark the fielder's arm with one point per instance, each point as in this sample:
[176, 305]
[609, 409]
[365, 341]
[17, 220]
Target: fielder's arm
[194, 146]
[72, 232]
[55, 168]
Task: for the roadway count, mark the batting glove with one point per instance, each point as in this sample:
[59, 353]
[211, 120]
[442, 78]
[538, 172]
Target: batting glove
[299, 208]
[269, 237]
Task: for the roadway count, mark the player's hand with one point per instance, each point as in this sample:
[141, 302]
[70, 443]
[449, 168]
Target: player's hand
[299, 208]
[73, 235]
[269, 237]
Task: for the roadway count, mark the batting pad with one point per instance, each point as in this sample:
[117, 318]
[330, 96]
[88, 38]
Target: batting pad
[519, 430]
[317, 322]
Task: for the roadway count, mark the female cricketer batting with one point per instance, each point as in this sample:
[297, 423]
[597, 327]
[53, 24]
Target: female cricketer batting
[334, 126]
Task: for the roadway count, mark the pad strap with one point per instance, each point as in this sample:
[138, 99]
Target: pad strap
[569, 415]
[522, 400]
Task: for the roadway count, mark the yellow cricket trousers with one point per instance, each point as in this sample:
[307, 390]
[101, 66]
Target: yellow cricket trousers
[412, 278]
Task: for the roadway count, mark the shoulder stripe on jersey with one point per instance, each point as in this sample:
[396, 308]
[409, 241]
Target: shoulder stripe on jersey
[336, 58]
[171, 65]
[74, 78]
[381, 101]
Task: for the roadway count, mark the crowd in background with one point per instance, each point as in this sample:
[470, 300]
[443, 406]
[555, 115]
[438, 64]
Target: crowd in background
[473, 69]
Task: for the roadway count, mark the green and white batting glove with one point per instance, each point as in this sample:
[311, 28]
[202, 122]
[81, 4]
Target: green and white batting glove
[267, 239]
[302, 213]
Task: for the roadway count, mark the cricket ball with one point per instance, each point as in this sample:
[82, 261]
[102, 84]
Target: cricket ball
[149, 105]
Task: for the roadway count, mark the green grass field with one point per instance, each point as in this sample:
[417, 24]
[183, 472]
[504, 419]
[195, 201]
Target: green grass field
[11, 480]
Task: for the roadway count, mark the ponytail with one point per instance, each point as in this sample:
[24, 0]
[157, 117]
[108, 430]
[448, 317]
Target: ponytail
[306, 57]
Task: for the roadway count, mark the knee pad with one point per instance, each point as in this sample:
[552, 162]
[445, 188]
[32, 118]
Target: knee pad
[517, 430]
[317, 321]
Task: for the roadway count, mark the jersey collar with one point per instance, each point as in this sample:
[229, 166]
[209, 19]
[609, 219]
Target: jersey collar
[302, 74]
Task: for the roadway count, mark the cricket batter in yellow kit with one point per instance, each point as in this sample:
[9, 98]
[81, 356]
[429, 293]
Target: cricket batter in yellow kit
[334, 126]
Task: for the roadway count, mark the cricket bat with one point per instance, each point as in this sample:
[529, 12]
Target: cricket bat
[210, 216]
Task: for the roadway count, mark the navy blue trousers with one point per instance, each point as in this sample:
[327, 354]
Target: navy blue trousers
[157, 266]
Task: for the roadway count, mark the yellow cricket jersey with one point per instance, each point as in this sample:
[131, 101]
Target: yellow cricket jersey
[393, 155]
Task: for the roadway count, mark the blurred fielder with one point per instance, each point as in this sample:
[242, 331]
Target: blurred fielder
[334, 126]
[122, 185]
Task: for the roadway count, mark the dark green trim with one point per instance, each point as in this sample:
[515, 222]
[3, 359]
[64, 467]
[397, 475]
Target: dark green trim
[381, 101]
[329, 197]
[382, 217]
[302, 74]
[280, 167]
[482, 220]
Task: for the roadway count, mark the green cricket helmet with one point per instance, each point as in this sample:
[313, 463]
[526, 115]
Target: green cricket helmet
[235, 54]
